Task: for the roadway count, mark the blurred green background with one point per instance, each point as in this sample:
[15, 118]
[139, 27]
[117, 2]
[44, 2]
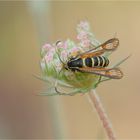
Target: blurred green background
[24, 27]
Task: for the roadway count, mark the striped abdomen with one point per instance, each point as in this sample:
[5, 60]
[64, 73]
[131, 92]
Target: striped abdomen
[96, 61]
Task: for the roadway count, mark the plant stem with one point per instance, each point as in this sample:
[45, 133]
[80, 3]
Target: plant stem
[96, 103]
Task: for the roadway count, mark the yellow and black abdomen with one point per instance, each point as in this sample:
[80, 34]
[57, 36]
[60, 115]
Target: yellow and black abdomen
[96, 61]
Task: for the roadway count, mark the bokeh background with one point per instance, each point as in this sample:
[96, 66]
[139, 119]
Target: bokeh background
[24, 27]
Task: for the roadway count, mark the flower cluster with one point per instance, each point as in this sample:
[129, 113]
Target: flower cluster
[54, 56]
[85, 36]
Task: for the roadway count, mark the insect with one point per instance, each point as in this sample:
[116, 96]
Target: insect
[93, 61]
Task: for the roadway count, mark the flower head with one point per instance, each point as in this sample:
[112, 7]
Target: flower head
[55, 58]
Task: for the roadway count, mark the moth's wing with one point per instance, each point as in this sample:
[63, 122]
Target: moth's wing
[109, 45]
[92, 54]
[113, 73]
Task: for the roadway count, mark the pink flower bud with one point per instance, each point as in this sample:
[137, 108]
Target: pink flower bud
[46, 47]
[48, 57]
[82, 35]
[84, 25]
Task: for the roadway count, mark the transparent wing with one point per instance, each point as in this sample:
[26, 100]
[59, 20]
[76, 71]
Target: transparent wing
[113, 73]
[109, 45]
[116, 65]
